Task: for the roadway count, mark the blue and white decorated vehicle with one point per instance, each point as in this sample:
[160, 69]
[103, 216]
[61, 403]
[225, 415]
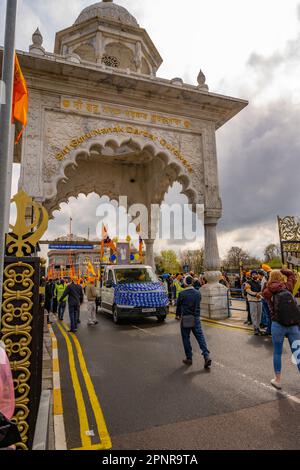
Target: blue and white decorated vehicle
[132, 291]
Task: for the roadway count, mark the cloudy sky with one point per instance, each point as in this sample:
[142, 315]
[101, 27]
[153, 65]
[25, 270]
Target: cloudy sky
[248, 49]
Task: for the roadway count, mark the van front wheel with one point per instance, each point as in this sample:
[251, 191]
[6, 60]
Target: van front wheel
[116, 317]
[161, 318]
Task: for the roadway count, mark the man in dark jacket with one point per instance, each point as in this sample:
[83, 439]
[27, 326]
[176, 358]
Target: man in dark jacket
[188, 309]
[75, 298]
[49, 293]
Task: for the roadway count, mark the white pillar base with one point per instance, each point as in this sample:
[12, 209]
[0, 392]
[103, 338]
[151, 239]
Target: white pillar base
[150, 253]
[214, 302]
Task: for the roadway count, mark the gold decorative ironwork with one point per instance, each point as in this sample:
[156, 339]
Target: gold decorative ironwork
[24, 237]
[291, 247]
[17, 336]
[289, 228]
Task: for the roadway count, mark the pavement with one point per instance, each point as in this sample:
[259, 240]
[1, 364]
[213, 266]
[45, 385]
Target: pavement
[47, 381]
[125, 387]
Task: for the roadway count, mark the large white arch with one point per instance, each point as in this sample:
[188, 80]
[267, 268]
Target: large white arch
[108, 164]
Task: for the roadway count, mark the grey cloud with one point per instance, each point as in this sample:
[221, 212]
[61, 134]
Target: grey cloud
[259, 150]
[266, 68]
[258, 170]
[257, 60]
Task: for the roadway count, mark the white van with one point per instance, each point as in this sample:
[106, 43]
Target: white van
[132, 291]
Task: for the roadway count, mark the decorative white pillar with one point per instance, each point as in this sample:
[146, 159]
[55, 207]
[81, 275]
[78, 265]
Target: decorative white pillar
[214, 302]
[150, 253]
[99, 47]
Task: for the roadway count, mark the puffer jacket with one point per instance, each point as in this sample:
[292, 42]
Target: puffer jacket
[274, 287]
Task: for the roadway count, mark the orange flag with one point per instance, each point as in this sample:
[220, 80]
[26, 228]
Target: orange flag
[20, 97]
[138, 230]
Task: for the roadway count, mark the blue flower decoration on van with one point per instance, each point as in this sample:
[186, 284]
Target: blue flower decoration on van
[148, 294]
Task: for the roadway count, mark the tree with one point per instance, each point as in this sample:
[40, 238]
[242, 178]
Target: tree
[167, 262]
[235, 256]
[159, 265]
[271, 252]
[194, 259]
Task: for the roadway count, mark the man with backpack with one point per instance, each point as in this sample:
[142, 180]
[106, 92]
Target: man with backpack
[285, 316]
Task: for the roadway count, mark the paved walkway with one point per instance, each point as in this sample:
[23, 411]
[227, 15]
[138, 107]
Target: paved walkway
[237, 317]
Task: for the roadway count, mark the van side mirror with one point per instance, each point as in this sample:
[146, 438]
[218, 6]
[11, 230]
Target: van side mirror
[109, 284]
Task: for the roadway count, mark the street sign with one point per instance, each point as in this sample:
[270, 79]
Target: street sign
[71, 247]
[186, 268]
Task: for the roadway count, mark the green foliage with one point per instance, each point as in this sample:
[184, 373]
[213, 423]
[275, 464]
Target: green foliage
[275, 263]
[271, 252]
[194, 259]
[167, 262]
[235, 257]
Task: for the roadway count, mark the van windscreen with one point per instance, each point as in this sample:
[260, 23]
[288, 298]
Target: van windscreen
[135, 275]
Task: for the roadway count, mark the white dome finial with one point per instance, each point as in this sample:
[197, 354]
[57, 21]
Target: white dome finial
[37, 43]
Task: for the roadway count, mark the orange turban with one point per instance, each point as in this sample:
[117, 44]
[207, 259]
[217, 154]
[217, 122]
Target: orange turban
[266, 268]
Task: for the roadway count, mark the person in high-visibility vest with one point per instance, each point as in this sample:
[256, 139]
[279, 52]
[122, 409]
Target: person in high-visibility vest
[178, 287]
[59, 290]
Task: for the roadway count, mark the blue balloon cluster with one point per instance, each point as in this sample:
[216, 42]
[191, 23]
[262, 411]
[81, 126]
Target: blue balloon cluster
[141, 295]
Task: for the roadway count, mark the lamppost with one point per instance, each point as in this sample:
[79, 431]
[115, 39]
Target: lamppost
[241, 269]
[5, 125]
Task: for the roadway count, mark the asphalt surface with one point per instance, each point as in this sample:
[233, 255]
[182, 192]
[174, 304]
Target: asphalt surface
[151, 401]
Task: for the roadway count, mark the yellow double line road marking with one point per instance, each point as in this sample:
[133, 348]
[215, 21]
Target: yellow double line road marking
[82, 413]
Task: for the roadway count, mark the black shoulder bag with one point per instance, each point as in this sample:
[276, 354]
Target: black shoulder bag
[9, 433]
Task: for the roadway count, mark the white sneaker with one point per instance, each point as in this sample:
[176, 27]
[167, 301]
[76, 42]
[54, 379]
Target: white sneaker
[276, 384]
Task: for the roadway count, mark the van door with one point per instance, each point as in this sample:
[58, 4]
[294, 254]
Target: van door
[108, 292]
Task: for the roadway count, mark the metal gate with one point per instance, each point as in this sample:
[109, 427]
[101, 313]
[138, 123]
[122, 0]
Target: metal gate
[289, 234]
[22, 313]
[22, 333]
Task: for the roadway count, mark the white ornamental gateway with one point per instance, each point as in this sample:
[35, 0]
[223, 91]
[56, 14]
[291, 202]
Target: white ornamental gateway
[101, 121]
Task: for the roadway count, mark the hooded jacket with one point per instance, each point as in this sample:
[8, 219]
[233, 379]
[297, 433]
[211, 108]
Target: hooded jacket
[274, 287]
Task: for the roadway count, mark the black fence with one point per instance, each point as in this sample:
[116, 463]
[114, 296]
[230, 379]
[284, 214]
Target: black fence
[21, 330]
[235, 294]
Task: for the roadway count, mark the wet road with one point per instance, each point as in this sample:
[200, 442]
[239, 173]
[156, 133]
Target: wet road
[132, 391]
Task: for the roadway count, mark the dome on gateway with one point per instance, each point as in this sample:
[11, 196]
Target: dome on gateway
[109, 11]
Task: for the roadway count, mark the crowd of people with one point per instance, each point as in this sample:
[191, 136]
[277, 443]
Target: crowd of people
[59, 293]
[271, 304]
[175, 284]
[272, 309]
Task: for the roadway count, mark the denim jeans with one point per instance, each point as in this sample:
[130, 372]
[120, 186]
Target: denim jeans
[198, 333]
[279, 332]
[61, 310]
[73, 316]
[266, 316]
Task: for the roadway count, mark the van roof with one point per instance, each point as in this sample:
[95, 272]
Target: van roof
[129, 266]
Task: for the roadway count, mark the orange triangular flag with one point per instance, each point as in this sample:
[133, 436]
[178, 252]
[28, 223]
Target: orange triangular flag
[20, 97]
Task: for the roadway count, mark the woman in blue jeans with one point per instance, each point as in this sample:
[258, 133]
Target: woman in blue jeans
[276, 284]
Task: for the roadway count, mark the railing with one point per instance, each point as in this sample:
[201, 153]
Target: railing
[238, 296]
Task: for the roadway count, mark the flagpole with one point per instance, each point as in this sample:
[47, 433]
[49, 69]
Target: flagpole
[5, 124]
